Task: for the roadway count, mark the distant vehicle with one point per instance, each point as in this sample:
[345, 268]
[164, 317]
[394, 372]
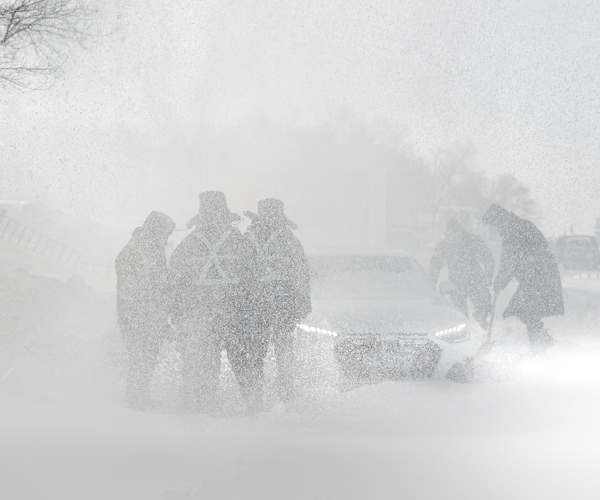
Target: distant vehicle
[386, 318]
[577, 252]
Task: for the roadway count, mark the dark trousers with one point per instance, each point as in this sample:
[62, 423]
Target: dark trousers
[205, 336]
[142, 344]
[278, 331]
[539, 338]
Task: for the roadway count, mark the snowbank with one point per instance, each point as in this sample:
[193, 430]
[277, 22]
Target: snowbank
[528, 429]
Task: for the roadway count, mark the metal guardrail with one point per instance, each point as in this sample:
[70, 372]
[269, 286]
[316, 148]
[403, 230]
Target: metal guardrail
[23, 237]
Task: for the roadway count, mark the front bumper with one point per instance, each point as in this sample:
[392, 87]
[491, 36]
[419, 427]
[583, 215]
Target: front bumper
[398, 357]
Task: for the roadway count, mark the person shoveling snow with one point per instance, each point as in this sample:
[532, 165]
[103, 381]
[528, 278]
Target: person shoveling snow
[470, 270]
[526, 257]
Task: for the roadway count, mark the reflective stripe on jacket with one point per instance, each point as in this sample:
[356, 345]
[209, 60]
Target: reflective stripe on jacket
[213, 272]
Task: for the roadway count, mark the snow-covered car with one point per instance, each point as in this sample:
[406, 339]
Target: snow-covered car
[577, 252]
[386, 319]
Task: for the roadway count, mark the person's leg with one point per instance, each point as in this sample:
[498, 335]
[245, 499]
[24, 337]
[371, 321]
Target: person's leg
[246, 343]
[189, 363]
[209, 367]
[201, 364]
[130, 333]
[149, 347]
[459, 299]
[539, 339]
[258, 348]
[134, 391]
[284, 346]
[482, 303]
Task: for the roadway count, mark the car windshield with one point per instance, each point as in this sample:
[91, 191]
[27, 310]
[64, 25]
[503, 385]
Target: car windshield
[368, 278]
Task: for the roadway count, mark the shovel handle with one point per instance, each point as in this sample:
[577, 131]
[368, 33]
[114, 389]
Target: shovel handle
[489, 335]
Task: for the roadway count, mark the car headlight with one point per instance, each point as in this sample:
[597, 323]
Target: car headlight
[312, 329]
[457, 333]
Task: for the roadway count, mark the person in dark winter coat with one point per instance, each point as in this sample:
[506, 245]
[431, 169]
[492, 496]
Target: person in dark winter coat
[280, 298]
[210, 271]
[142, 302]
[526, 257]
[470, 268]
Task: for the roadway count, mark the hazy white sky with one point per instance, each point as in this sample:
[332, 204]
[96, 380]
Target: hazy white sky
[519, 81]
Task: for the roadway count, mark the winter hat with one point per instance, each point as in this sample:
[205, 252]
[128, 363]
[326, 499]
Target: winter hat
[213, 204]
[496, 216]
[157, 222]
[270, 210]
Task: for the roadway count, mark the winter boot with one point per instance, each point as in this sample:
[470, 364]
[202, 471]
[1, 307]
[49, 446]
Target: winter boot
[540, 341]
[482, 319]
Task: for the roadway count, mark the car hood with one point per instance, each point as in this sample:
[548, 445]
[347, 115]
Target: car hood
[384, 317]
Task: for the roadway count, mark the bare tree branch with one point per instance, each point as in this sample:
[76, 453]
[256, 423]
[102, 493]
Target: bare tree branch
[35, 36]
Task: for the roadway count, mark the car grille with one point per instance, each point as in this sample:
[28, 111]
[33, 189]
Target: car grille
[365, 357]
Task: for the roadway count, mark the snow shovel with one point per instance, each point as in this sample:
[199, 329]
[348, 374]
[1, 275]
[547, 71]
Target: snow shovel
[488, 344]
[464, 371]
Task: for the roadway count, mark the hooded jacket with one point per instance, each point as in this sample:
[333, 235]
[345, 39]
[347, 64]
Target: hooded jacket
[282, 277]
[526, 257]
[141, 269]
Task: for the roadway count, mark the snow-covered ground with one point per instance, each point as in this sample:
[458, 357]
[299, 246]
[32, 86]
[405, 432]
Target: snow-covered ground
[525, 429]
